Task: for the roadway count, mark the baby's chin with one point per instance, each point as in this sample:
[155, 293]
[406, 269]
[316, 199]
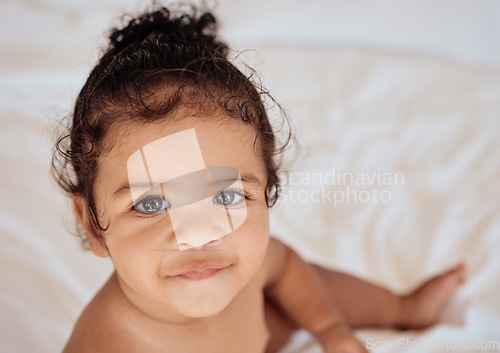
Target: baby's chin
[202, 310]
[206, 307]
[198, 299]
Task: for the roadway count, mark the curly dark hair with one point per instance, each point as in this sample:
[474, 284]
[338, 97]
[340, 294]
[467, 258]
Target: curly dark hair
[156, 63]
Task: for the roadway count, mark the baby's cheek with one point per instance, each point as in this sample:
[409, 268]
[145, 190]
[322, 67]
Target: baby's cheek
[144, 232]
[255, 236]
[137, 246]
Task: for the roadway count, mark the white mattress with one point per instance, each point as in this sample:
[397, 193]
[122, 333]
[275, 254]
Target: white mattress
[404, 99]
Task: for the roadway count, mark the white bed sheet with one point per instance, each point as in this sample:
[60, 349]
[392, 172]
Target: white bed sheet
[432, 129]
[373, 105]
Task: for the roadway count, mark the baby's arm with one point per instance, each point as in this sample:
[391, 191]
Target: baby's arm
[295, 287]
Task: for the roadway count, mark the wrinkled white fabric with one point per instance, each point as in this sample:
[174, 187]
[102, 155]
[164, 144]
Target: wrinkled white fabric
[373, 92]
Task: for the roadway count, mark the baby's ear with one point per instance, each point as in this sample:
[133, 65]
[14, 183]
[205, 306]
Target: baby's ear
[96, 242]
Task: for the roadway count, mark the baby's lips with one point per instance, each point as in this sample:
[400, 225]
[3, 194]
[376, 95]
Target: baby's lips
[199, 275]
[199, 265]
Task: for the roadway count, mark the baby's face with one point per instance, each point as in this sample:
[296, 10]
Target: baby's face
[185, 204]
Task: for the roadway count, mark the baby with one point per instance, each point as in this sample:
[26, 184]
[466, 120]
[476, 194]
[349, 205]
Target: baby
[171, 166]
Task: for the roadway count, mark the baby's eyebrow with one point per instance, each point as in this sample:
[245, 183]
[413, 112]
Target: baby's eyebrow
[250, 178]
[246, 178]
[122, 190]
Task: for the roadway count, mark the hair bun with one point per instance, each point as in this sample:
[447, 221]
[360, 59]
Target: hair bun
[162, 26]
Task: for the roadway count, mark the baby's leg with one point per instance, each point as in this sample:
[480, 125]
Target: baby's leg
[365, 304]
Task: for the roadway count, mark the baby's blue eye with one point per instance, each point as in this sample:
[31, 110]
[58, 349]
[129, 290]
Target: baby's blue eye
[228, 198]
[153, 204]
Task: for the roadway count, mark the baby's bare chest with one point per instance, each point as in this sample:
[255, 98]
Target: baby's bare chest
[241, 327]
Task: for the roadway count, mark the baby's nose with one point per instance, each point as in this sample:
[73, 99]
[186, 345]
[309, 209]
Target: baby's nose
[186, 246]
[198, 224]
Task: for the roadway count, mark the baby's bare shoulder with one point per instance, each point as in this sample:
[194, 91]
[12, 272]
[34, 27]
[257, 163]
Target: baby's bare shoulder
[97, 330]
[88, 334]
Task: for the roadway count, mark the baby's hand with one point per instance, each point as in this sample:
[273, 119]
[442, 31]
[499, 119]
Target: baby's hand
[340, 339]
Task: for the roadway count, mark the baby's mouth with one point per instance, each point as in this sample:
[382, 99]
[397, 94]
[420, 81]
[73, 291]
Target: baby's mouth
[200, 271]
[196, 264]
[198, 275]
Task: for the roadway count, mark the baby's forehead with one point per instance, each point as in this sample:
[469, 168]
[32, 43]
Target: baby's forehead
[128, 128]
[166, 158]
[176, 147]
